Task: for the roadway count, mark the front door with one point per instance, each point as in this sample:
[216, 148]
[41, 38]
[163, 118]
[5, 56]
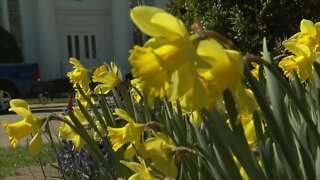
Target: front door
[82, 42]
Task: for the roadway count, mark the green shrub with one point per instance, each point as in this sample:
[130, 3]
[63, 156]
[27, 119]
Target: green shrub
[247, 22]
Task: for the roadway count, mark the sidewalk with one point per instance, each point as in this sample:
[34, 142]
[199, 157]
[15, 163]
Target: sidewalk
[49, 105]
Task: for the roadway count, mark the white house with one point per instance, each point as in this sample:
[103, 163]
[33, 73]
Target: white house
[51, 31]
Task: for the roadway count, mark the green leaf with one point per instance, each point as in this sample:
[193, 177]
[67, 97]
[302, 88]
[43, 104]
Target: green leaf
[258, 127]
[317, 164]
[303, 110]
[97, 154]
[237, 145]
[268, 159]
[285, 138]
[223, 154]
[127, 100]
[106, 110]
[146, 109]
[307, 164]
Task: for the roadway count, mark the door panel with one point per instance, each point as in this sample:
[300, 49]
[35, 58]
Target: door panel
[83, 43]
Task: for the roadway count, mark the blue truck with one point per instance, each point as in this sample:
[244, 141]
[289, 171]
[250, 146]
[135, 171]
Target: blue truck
[18, 81]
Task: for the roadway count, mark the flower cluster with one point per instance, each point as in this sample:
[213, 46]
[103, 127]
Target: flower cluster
[182, 67]
[187, 69]
[177, 77]
[304, 47]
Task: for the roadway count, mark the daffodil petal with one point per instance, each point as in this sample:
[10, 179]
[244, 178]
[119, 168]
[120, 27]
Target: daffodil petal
[236, 59]
[158, 23]
[78, 142]
[168, 167]
[179, 86]
[297, 49]
[307, 26]
[135, 167]
[66, 132]
[123, 114]
[21, 111]
[114, 67]
[35, 144]
[155, 43]
[76, 63]
[211, 51]
[130, 151]
[19, 103]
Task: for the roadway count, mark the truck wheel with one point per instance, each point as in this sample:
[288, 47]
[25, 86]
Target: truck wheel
[6, 94]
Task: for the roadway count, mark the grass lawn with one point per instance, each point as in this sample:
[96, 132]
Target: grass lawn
[13, 159]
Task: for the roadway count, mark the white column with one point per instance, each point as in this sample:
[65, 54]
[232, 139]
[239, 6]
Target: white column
[48, 40]
[5, 14]
[122, 33]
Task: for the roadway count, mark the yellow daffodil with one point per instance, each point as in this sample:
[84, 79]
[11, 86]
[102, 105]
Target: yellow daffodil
[82, 99]
[130, 133]
[309, 35]
[79, 75]
[249, 130]
[138, 95]
[29, 124]
[217, 70]
[255, 70]
[67, 133]
[136, 92]
[165, 52]
[160, 149]
[180, 66]
[245, 100]
[142, 172]
[106, 77]
[303, 45]
[301, 61]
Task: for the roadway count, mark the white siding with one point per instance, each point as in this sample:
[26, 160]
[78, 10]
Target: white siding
[30, 33]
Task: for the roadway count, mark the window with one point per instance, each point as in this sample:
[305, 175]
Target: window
[86, 46]
[93, 45]
[77, 46]
[82, 46]
[69, 43]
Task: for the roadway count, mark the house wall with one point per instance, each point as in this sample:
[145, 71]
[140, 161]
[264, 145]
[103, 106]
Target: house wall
[4, 15]
[30, 30]
[52, 30]
[46, 25]
[84, 19]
